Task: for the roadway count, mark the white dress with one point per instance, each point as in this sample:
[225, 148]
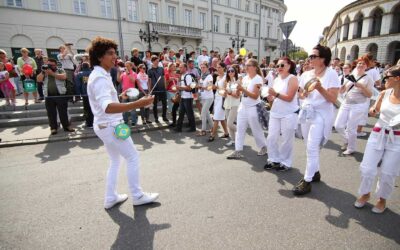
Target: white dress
[219, 112]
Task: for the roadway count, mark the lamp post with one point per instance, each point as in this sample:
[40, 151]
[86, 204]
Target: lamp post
[148, 36]
[237, 42]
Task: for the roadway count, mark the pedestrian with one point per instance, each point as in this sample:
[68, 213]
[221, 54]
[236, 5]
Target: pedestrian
[66, 58]
[207, 98]
[143, 84]
[383, 146]
[156, 76]
[127, 78]
[186, 103]
[107, 111]
[232, 102]
[219, 112]
[39, 62]
[172, 79]
[54, 89]
[317, 112]
[27, 66]
[250, 87]
[356, 92]
[135, 58]
[283, 116]
[6, 86]
[81, 79]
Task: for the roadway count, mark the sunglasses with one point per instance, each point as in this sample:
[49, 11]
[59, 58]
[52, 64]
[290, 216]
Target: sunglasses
[280, 65]
[387, 77]
[312, 56]
[231, 71]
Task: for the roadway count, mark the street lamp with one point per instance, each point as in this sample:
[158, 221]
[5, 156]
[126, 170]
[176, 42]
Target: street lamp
[149, 36]
[238, 42]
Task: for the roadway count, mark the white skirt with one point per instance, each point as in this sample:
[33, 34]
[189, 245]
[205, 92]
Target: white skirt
[219, 113]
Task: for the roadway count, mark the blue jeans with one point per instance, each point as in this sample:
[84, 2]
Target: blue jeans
[132, 113]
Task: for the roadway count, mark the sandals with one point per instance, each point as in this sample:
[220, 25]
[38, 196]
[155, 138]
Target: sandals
[211, 138]
[201, 133]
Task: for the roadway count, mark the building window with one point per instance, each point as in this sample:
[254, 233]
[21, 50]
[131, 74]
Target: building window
[246, 29]
[227, 25]
[237, 27]
[203, 20]
[216, 24]
[268, 31]
[14, 3]
[171, 15]
[358, 24]
[269, 12]
[133, 10]
[49, 5]
[228, 3]
[255, 29]
[188, 18]
[216, 1]
[153, 12]
[256, 8]
[235, 3]
[247, 6]
[80, 7]
[376, 23]
[105, 6]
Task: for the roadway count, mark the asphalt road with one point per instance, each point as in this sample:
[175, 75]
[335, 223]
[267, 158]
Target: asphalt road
[51, 197]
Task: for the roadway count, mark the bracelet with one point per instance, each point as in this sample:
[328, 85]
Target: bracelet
[277, 95]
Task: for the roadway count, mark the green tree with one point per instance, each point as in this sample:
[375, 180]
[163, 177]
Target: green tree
[299, 55]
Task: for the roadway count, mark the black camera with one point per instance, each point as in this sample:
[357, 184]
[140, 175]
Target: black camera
[45, 67]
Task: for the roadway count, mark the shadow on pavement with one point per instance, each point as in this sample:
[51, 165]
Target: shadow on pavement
[137, 232]
[340, 201]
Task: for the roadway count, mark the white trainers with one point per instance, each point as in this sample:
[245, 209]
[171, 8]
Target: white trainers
[263, 151]
[230, 144]
[361, 134]
[121, 198]
[146, 198]
[235, 155]
[348, 152]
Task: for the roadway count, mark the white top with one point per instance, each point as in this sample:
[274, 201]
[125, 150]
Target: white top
[355, 95]
[67, 61]
[206, 94]
[388, 110]
[282, 108]
[143, 80]
[201, 59]
[101, 93]
[328, 80]
[3, 74]
[374, 74]
[231, 101]
[186, 94]
[270, 78]
[220, 83]
[250, 85]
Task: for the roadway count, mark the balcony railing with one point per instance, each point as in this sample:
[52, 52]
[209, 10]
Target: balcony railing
[176, 30]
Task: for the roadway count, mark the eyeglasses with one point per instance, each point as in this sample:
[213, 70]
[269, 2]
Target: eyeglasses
[387, 77]
[312, 56]
[231, 71]
[280, 65]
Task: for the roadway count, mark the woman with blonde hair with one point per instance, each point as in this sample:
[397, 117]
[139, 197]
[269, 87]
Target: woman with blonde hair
[25, 59]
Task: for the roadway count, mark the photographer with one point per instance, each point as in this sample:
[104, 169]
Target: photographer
[66, 57]
[54, 88]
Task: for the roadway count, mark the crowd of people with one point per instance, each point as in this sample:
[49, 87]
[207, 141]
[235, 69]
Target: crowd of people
[235, 91]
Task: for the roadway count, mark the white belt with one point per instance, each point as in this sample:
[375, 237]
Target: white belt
[380, 145]
[307, 113]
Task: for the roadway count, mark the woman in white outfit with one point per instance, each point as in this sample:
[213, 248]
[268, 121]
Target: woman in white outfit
[250, 88]
[219, 112]
[283, 116]
[207, 98]
[317, 112]
[232, 102]
[107, 111]
[353, 106]
[383, 145]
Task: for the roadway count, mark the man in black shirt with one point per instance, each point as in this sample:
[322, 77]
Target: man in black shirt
[39, 62]
[135, 58]
[159, 92]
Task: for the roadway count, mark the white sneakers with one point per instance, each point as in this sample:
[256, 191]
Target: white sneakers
[120, 198]
[146, 198]
[348, 152]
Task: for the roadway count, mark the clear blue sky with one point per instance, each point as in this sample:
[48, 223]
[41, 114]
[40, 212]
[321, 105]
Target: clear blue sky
[312, 17]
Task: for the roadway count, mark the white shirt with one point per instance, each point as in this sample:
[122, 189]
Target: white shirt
[355, 95]
[201, 59]
[66, 62]
[250, 85]
[186, 94]
[374, 74]
[220, 83]
[282, 108]
[143, 79]
[101, 93]
[206, 94]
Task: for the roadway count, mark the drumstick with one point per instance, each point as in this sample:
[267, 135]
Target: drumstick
[151, 91]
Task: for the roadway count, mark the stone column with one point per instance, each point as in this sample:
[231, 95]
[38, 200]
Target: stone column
[386, 23]
[367, 25]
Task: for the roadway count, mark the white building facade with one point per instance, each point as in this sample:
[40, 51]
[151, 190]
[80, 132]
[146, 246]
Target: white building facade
[366, 26]
[189, 24]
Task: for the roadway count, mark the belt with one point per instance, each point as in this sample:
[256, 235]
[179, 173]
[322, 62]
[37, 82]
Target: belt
[378, 129]
[108, 124]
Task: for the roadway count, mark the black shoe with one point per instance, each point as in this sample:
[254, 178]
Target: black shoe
[41, 99]
[282, 168]
[316, 177]
[157, 121]
[191, 130]
[165, 119]
[172, 125]
[271, 165]
[302, 187]
[149, 122]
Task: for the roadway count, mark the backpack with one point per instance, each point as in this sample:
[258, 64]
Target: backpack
[193, 80]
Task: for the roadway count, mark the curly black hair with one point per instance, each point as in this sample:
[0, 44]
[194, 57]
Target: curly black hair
[98, 48]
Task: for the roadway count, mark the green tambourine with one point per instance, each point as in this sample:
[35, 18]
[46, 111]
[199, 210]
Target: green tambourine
[122, 131]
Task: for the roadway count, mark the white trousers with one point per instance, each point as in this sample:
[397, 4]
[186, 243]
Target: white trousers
[115, 149]
[364, 119]
[313, 133]
[346, 123]
[390, 166]
[231, 115]
[206, 120]
[280, 139]
[248, 116]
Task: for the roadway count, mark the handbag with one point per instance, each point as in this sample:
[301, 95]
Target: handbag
[263, 114]
[176, 99]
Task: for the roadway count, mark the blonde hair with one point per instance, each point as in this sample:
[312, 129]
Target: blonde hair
[134, 50]
[24, 50]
